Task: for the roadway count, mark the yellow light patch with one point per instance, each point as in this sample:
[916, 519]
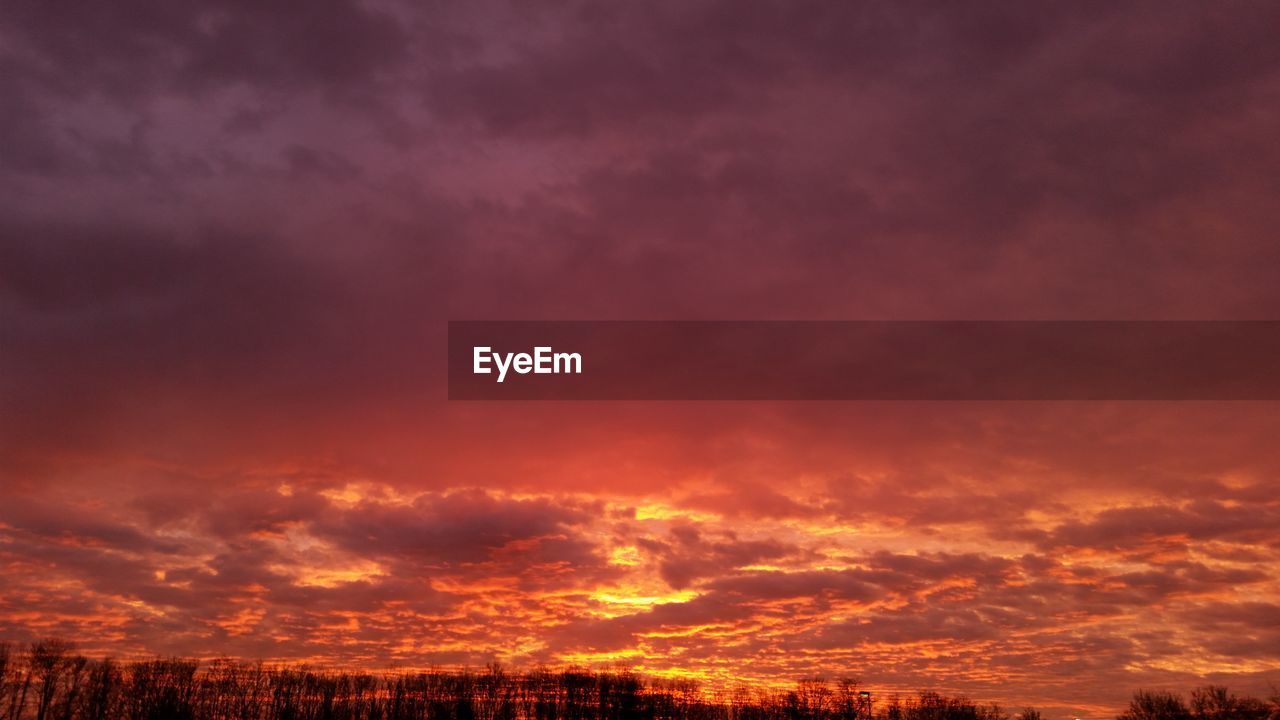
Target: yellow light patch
[628, 556]
[644, 600]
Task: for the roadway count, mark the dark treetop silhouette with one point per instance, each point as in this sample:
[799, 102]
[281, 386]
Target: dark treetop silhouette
[48, 681]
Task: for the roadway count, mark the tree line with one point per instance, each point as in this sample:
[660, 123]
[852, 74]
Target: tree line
[48, 680]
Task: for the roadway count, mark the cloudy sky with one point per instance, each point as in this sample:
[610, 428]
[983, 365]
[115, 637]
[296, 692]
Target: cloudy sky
[231, 236]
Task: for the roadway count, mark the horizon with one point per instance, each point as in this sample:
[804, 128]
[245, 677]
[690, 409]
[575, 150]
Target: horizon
[213, 680]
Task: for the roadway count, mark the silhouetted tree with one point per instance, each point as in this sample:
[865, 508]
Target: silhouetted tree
[49, 681]
[1029, 713]
[1214, 702]
[102, 690]
[1155, 705]
[8, 678]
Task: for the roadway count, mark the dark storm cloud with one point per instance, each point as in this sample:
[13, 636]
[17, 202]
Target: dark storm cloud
[98, 314]
[913, 624]
[742, 213]
[132, 48]
[305, 161]
[776, 586]
[242, 512]
[59, 523]
[75, 73]
[1246, 629]
[454, 528]
[604, 68]
[930, 500]
[1001, 110]
[1130, 527]
[30, 144]
[365, 595]
[1017, 147]
[686, 556]
[934, 567]
[145, 299]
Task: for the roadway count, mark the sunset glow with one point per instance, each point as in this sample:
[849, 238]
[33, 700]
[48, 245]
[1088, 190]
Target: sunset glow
[232, 237]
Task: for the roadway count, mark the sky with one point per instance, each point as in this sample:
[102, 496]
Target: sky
[231, 235]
